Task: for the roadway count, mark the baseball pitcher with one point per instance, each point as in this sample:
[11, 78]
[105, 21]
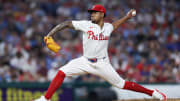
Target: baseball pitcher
[96, 34]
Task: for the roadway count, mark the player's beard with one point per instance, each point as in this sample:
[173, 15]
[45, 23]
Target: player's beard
[93, 21]
[96, 20]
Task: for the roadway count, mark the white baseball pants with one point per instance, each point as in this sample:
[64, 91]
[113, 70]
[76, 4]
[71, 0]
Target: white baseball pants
[101, 68]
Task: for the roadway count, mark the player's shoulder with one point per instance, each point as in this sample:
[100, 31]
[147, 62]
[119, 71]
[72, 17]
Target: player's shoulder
[83, 21]
[87, 22]
[80, 22]
[107, 24]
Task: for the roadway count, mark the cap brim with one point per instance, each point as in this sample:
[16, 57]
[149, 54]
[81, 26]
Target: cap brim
[90, 11]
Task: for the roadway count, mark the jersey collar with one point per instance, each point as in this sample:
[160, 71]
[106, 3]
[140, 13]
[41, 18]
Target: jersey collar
[101, 29]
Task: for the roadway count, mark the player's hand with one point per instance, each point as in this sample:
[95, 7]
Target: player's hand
[51, 44]
[131, 13]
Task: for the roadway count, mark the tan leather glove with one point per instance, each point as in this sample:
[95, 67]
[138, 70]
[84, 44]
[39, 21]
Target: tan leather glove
[51, 44]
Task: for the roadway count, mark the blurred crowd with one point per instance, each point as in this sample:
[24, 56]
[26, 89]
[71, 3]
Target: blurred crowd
[145, 49]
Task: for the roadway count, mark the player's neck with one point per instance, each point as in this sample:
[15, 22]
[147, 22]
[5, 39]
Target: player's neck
[101, 23]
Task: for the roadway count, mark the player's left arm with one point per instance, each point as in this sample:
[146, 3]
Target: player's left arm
[118, 23]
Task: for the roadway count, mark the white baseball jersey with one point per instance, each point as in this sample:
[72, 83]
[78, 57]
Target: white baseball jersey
[95, 39]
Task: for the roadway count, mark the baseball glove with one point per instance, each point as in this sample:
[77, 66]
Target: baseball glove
[51, 44]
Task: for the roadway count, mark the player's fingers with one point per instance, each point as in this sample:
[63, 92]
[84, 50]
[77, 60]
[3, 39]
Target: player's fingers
[133, 10]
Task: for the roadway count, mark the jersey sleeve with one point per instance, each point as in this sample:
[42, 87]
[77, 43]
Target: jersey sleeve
[111, 28]
[79, 25]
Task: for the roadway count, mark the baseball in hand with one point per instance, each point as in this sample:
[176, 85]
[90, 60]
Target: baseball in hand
[134, 13]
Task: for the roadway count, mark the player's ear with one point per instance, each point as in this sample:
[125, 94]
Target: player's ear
[102, 15]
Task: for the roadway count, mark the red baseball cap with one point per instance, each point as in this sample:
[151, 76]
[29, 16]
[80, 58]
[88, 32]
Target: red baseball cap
[98, 8]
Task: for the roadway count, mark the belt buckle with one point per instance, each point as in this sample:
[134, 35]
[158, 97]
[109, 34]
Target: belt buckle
[93, 60]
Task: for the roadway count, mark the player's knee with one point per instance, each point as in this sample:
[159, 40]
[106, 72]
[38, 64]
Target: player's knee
[64, 71]
[120, 84]
[61, 73]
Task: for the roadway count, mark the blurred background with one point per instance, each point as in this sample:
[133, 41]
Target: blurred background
[146, 49]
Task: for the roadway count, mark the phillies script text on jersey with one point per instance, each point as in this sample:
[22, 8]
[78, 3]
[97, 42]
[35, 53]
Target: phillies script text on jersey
[98, 37]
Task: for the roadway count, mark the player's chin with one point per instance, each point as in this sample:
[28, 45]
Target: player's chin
[93, 21]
